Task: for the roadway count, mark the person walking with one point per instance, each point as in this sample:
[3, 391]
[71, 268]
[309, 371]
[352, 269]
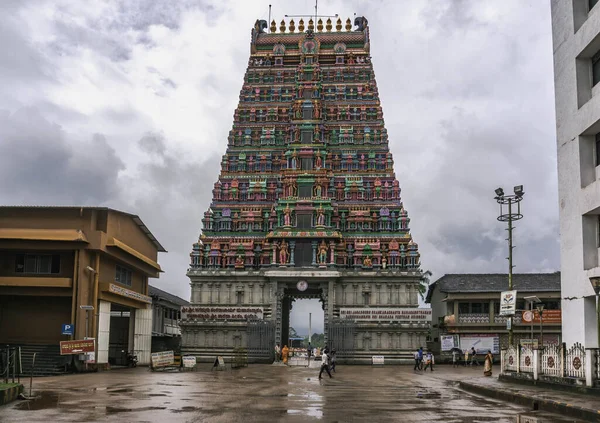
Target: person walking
[325, 363]
[284, 354]
[487, 365]
[466, 358]
[419, 359]
[455, 357]
[429, 361]
[277, 353]
[474, 357]
[308, 354]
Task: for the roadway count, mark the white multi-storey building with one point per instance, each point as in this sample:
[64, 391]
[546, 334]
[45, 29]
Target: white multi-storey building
[576, 46]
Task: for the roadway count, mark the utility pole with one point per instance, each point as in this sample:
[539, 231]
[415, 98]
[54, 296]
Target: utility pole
[509, 200]
[309, 326]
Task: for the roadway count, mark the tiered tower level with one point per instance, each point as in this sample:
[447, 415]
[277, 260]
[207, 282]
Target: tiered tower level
[307, 190]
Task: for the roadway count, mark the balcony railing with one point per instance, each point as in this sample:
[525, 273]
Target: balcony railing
[474, 318]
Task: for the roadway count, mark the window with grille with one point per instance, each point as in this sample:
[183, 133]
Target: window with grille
[306, 137]
[305, 191]
[306, 164]
[37, 263]
[304, 221]
[307, 112]
[123, 275]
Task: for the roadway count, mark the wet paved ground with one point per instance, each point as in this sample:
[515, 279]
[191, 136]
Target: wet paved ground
[263, 393]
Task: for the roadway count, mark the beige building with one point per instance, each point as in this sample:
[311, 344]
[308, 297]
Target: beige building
[466, 310]
[53, 260]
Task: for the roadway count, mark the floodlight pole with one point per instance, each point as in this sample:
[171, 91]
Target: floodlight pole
[509, 200]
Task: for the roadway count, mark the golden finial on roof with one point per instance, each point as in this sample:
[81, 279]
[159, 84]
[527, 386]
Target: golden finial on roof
[292, 26]
[273, 26]
[282, 26]
[338, 25]
[328, 26]
[301, 25]
[311, 25]
[320, 25]
[348, 25]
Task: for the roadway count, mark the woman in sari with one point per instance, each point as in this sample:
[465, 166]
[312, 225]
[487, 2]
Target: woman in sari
[284, 354]
[487, 367]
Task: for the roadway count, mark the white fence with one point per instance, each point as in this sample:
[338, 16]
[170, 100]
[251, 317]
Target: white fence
[575, 361]
[552, 361]
[558, 361]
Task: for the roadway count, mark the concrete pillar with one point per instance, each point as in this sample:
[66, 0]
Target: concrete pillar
[536, 364]
[142, 335]
[292, 252]
[103, 332]
[589, 367]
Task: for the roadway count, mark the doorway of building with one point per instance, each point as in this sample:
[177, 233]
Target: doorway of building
[119, 339]
[307, 317]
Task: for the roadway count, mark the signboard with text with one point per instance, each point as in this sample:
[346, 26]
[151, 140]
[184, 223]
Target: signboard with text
[548, 316]
[448, 342]
[128, 293]
[508, 303]
[482, 343]
[77, 347]
[378, 359]
[189, 361]
[222, 313]
[362, 314]
[163, 358]
[67, 329]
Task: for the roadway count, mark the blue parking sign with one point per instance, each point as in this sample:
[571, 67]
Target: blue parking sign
[67, 329]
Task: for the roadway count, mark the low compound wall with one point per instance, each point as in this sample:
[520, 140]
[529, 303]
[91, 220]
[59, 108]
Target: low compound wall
[9, 392]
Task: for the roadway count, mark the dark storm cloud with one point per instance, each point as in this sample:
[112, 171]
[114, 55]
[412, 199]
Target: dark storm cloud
[39, 165]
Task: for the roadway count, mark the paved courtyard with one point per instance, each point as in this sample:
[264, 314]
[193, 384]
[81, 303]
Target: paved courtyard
[264, 393]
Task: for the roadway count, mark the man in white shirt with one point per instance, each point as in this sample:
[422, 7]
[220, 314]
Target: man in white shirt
[325, 363]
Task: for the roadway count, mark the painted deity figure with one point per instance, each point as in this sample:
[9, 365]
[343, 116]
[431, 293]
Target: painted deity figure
[367, 262]
[323, 253]
[294, 160]
[318, 162]
[283, 253]
[320, 217]
[239, 261]
[287, 216]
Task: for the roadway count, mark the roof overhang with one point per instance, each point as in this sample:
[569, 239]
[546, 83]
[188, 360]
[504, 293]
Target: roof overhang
[114, 242]
[64, 235]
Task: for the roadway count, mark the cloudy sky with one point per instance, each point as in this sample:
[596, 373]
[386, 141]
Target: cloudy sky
[128, 103]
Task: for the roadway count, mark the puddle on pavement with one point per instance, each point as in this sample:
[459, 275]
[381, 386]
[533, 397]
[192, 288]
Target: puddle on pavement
[42, 401]
[114, 410]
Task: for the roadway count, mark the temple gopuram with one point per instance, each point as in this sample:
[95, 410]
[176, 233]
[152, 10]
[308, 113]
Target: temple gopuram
[307, 205]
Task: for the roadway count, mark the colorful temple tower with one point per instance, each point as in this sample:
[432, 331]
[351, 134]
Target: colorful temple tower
[307, 205]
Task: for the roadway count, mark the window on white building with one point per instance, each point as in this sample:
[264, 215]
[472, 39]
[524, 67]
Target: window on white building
[595, 68]
[597, 149]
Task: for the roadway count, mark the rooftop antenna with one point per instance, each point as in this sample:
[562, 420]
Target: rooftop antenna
[316, 14]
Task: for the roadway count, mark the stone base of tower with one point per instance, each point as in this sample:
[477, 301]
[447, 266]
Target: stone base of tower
[365, 313]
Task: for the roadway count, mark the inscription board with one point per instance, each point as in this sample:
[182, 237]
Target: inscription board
[361, 314]
[222, 313]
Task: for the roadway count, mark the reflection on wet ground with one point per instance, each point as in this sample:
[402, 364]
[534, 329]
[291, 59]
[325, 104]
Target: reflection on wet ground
[264, 393]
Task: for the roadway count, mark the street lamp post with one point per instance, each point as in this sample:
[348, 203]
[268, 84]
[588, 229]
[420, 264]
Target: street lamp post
[540, 309]
[507, 215]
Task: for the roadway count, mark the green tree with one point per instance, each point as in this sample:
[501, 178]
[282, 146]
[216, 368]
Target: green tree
[317, 340]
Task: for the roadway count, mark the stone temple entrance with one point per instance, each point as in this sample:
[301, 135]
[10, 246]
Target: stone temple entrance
[291, 294]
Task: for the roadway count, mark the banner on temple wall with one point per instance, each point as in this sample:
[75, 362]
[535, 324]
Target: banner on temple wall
[361, 314]
[222, 313]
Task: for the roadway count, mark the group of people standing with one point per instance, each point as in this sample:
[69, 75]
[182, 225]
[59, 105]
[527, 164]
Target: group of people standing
[424, 360]
[470, 358]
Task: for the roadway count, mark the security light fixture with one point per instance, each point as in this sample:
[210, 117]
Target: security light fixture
[595, 281]
[519, 190]
[532, 299]
[86, 307]
[499, 192]
[90, 269]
